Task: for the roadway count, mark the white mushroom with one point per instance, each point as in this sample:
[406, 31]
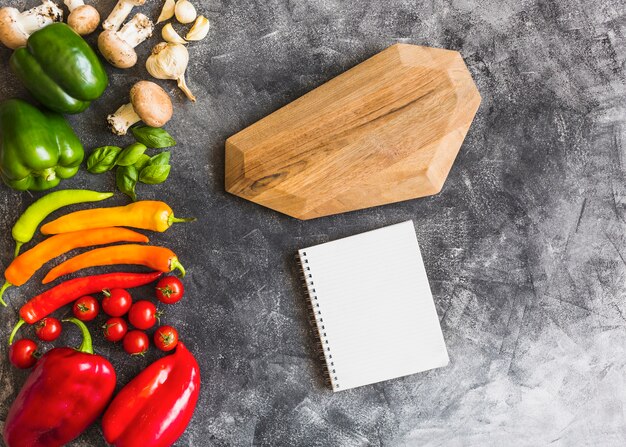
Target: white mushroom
[119, 13]
[148, 103]
[83, 19]
[16, 27]
[118, 47]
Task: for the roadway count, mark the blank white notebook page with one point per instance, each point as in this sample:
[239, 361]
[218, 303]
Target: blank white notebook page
[373, 307]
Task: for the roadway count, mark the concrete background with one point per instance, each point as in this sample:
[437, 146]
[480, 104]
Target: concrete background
[525, 246]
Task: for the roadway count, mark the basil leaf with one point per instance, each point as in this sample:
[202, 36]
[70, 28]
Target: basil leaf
[126, 179]
[142, 162]
[154, 174]
[131, 154]
[153, 137]
[160, 159]
[102, 159]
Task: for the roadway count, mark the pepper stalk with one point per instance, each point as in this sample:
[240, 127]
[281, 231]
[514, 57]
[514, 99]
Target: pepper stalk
[87, 344]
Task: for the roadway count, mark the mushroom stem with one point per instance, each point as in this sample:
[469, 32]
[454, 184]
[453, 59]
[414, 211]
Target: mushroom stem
[119, 13]
[40, 16]
[122, 119]
[137, 30]
[73, 4]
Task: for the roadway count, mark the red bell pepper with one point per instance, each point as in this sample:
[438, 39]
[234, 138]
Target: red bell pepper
[65, 393]
[155, 407]
[52, 299]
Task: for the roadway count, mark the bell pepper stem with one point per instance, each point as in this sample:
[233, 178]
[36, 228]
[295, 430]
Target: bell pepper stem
[6, 285]
[18, 247]
[87, 345]
[172, 220]
[16, 328]
[176, 265]
[49, 174]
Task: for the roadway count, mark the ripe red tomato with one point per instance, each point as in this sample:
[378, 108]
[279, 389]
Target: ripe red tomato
[48, 329]
[143, 314]
[115, 329]
[169, 290]
[23, 353]
[116, 302]
[86, 308]
[136, 342]
[166, 338]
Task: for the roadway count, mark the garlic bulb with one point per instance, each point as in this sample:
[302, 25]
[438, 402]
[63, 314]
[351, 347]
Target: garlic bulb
[185, 11]
[169, 61]
[199, 30]
[169, 34]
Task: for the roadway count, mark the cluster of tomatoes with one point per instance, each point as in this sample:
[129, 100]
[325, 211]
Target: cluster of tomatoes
[141, 315]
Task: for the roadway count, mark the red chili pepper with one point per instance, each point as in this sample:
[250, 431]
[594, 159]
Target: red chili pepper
[43, 305]
[155, 407]
[65, 393]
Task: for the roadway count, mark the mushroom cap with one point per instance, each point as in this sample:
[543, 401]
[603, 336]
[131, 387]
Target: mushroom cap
[151, 103]
[11, 32]
[115, 50]
[135, 2]
[84, 19]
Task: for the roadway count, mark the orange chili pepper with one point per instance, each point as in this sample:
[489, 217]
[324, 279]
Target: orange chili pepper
[158, 258]
[145, 214]
[25, 265]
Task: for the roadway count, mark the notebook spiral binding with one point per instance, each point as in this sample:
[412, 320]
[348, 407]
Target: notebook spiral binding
[315, 316]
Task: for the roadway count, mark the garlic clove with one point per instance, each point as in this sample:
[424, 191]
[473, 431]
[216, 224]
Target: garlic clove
[185, 12]
[167, 12]
[199, 30]
[169, 34]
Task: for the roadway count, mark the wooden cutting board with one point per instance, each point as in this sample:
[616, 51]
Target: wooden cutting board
[387, 130]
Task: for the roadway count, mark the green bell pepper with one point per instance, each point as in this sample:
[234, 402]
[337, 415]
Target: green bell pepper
[37, 147]
[60, 69]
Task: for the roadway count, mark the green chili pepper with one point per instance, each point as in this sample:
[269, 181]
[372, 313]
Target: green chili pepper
[25, 227]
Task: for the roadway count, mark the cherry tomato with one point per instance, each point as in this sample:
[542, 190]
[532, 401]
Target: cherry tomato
[169, 290]
[143, 314]
[48, 329]
[136, 342]
[115, 329]
[166, 338]
[86, 308]
[116, 302]
[23, 353]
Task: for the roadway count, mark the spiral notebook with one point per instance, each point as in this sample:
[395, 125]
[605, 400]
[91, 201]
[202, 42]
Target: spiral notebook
[372, 307]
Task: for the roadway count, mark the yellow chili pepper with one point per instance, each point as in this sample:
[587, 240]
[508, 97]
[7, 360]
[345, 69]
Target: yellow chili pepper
[145, 214]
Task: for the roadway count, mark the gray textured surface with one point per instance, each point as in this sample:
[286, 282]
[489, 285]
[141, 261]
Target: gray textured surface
[524, 247]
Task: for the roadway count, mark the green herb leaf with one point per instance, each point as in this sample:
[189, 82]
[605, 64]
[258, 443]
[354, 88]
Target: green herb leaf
[142, 162]
[153, 137]
[102, 159]
[131, 154]
[160, 159]
[126, 179]
[154, 174]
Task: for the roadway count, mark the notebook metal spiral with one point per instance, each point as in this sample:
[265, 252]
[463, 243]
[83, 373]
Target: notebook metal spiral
[315, 316]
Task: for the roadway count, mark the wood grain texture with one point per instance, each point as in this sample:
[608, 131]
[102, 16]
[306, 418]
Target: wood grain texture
[384, 131]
